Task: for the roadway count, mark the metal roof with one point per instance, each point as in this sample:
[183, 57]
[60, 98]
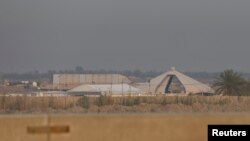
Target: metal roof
[106, 88]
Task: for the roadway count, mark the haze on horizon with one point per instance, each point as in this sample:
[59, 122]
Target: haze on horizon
[192, 35]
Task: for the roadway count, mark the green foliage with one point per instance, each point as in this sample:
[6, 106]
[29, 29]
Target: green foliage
[229, 83]
[83, 102]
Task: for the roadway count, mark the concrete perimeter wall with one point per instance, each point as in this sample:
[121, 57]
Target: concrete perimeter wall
[137, 127]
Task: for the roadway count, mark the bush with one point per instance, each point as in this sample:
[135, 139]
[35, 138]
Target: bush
[164, 101]
[83, 102]
[51, 102]
[188, 100]
[131, 101]
[137, 101]
[17, 104]
[104, 100]
[3, 101]
[222, 101]
[127, 101]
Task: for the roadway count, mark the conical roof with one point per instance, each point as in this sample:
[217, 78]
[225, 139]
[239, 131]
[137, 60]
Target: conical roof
[159, 83]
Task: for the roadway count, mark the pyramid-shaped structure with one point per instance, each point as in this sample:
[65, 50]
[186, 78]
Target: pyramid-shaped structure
[161, 83]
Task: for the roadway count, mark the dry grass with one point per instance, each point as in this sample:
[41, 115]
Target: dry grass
[106, 104]
[118, 127]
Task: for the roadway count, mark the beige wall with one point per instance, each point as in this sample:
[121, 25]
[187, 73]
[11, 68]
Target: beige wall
[159, 127]
[68, 81]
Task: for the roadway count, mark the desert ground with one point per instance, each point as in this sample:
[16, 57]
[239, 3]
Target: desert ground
[113, 127]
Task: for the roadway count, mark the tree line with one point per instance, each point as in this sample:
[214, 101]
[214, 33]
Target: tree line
[47, 76]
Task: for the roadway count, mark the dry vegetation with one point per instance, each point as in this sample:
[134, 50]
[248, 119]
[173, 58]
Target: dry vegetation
[107, 104]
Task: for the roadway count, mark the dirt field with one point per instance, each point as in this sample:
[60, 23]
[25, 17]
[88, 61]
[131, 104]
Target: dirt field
[118, 127]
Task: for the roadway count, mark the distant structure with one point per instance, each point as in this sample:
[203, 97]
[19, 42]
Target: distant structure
[104, 89]
[174, 82]
[69, 81]
[171, 82]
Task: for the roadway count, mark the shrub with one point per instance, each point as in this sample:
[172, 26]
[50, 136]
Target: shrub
[164, 101]
[17, 104]
[222, 101]
[3, 101]
[137, 101]
[83, 102]
[131, 101]
[104, 100]
[188, 100]
[51, 102]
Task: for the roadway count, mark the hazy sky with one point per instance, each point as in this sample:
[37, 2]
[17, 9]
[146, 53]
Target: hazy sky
[192, 35]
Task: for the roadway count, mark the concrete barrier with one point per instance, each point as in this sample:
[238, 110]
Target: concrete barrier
[134, 127]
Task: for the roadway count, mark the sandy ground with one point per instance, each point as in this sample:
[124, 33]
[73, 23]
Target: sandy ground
[118, 127]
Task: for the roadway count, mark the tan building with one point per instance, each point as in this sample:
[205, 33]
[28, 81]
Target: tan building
[174, 82]
[69, 81]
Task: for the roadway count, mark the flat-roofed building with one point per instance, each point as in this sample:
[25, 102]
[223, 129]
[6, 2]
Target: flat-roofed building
[69, 81]
[104, 89]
